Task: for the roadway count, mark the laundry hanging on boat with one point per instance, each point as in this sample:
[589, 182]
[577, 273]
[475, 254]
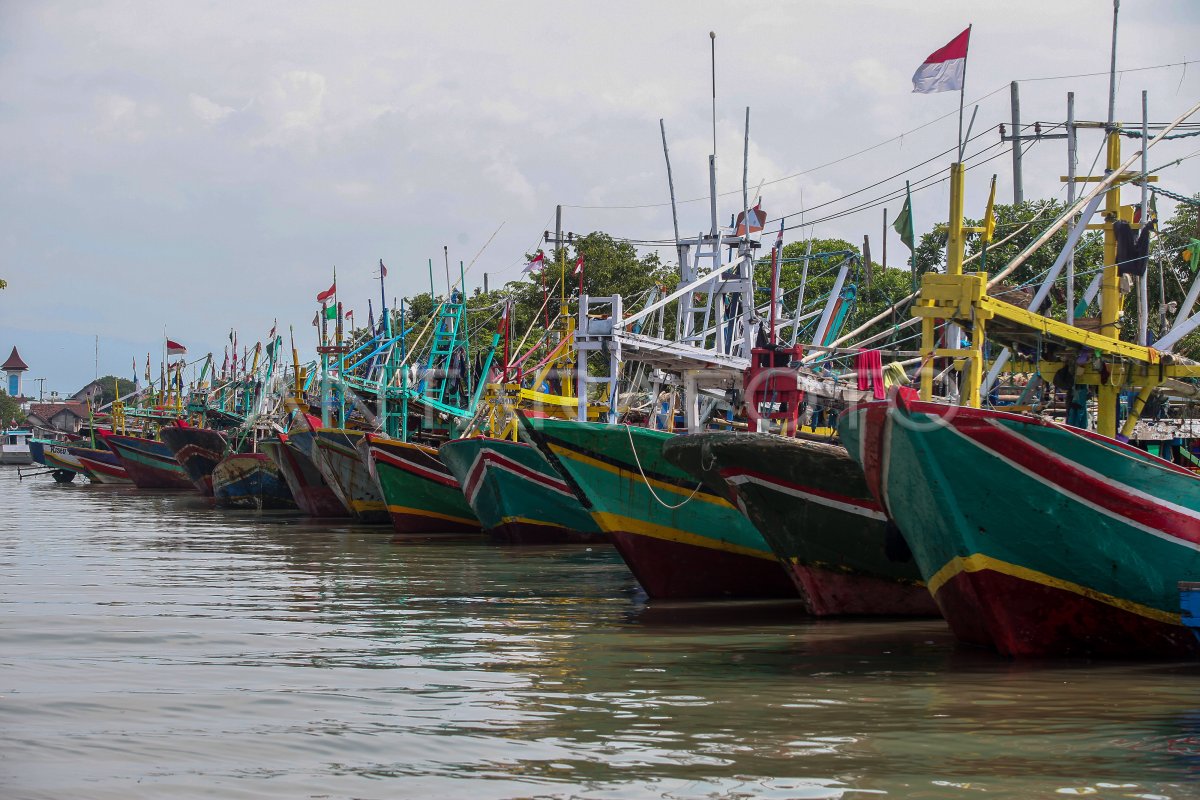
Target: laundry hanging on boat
[869, 365]
[894, 374]
[1133, 249]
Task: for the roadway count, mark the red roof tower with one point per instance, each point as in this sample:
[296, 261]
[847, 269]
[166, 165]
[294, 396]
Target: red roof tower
[14, 363]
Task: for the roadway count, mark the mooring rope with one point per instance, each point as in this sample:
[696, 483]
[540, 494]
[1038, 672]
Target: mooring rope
[654, 494]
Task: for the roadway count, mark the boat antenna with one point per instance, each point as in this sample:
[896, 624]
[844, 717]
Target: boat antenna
[712, 35]
[746, 176]
[712, 160]
[1112, 69]
[671, 185]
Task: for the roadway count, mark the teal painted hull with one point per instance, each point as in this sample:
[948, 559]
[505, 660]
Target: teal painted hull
[342, 464]
[811, 503]
[680, 539]
[421, 494]
[1036, 539]
[516, 494]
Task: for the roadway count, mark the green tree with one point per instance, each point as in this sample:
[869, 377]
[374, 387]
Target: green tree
[611, 266]
[107, 385]
[1169, 275]
[1024, 222]
[10, 411]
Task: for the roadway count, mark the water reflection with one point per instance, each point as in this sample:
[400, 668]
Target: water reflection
[154, 646]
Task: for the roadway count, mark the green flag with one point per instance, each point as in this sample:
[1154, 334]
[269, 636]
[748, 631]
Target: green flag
[330, 312]
[904, 224]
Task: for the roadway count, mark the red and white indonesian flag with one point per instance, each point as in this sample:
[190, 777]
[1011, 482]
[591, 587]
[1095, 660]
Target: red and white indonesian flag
[579, 265]
[175, 348]
[328, 293]
[943, 71]
[536, 263]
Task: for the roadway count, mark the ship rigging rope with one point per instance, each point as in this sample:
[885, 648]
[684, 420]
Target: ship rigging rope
[887, 197]
[921, 184]
[1179, 198]
[1136, 134]
[899, 137]
[876, 146]
[654, 494]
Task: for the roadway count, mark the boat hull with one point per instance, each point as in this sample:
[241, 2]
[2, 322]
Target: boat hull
[198, 451]
[57, 456]
[1035, 539]
[103, 465]
[516, 494]
[421, 494]
[335, 453]
[149, 463]
[681, 540]
[250, 480]
[303, 478]
[811, 503]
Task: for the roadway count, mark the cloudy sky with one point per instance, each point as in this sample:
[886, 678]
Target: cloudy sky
[196, 166]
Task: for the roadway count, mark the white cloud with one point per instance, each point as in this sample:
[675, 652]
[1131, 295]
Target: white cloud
[208, 111]
[259, 144]
[292, 109]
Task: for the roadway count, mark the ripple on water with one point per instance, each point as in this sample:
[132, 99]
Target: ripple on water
[152, 646]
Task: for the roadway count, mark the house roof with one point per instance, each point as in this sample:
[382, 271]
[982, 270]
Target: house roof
[14, 363]
[47, 411]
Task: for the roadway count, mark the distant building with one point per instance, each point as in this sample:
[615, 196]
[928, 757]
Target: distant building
[50, 420]
[93, 391]
[13, 369]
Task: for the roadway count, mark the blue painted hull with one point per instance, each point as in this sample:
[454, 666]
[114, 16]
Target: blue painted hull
[251, 480]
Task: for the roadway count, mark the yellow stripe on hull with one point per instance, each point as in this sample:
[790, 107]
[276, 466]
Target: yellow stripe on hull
[564, 452]
[617, 522]
[979, 562]
[541, 523]
[421, 512]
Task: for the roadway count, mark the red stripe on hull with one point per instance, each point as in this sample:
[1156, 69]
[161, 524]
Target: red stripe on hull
[408, 523]
[679, 571]
[145, 476]
[831, 593]
[1064, 475]
[106, 473]
[515, 532]
[1022, 618]
[319, 501]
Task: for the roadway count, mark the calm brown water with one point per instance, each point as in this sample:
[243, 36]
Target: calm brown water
[153, 647]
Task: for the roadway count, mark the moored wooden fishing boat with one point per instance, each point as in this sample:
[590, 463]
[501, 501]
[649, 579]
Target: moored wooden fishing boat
[198, 451]
[1036, 539]
[57, 456]
[516, 494]
[335, 453]
[811, 503]
[103, 465]
[421, 494]
[681, 539]
[311, 493]
[250, 480]
[149, 463]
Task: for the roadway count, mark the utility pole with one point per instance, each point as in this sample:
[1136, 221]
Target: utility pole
[885, 238]
[559, 239]
[1016, 137]
[41, 382]
[1018, 185]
